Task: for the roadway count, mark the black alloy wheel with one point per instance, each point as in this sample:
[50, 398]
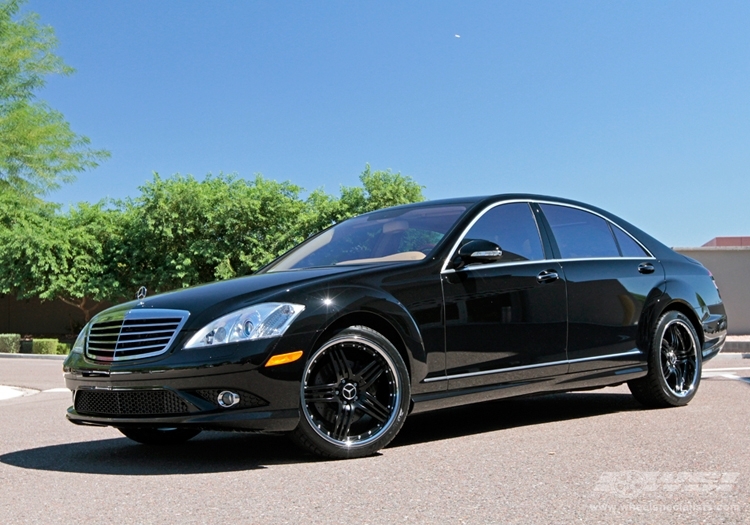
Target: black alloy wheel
[354, 395]
[160, 436]
[674, 364]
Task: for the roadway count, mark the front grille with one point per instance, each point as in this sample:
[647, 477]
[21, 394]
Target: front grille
[133, 334]
[131, 403]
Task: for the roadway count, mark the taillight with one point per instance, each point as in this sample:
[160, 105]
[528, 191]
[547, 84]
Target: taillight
[713, 280]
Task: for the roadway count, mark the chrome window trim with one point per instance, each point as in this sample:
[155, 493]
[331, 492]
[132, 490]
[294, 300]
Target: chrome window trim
[479, 216]
[529, 367]
[445, 269]
[562, 262]
[581, 208]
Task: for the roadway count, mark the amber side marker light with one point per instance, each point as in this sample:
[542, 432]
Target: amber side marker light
[283, 359]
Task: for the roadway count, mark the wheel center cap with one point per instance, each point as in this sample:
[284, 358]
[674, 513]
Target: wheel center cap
[349, 391]
[671, 358]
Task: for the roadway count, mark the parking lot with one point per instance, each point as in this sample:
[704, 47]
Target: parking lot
[585, 457]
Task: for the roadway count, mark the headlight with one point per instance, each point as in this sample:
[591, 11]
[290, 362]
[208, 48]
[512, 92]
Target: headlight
[80, 343]
[255, 322]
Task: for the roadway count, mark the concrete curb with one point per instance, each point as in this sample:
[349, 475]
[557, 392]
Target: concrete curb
[737, 343]
[32, 356]
[736, 347]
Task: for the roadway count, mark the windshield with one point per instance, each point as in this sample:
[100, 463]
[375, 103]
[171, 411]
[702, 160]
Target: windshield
[391, 235]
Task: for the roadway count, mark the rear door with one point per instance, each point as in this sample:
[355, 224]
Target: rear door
[610, 278]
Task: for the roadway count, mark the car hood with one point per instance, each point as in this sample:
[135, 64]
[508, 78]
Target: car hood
[208, 301]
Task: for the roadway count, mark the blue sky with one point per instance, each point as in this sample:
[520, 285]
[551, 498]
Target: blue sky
[642, 108]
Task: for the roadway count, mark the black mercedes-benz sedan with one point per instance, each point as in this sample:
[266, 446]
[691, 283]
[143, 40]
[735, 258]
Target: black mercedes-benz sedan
[399, 311]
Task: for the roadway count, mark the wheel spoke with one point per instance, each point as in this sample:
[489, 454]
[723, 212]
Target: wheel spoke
[680, 347]
[340, 364]
[369, 374]
[679, 382]
[667, 343]
[321, 393]
[344, 418]
[368, 404]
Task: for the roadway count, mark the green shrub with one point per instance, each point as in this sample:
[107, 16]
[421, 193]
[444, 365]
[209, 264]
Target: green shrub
[63, 348]
[10, 343]
[44, 346]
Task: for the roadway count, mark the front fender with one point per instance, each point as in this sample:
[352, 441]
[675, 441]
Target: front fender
[335, 308]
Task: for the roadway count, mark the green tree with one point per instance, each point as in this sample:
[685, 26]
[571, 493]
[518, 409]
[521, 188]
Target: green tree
[379, 189]
[49, 255]
[38, 150]
[178, 232]
[182, 231]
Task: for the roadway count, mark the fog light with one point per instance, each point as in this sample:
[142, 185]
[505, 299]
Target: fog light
[228, 399]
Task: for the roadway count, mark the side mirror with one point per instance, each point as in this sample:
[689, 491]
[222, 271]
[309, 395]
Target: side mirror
[477, 251]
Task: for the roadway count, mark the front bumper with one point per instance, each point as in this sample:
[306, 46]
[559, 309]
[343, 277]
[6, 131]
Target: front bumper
[238, 420]
[181, 389]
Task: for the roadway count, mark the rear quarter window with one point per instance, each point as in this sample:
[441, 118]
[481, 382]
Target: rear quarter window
[628, 246]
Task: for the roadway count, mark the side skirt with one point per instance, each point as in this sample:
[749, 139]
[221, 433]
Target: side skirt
[584, 380]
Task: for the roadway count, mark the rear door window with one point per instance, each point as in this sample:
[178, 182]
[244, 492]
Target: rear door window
[580, 234]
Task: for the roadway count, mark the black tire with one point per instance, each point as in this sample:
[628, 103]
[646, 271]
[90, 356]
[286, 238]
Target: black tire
[160, 436]
[354, 395]
[674, 364]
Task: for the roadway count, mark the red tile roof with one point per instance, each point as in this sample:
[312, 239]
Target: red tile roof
[729, 241]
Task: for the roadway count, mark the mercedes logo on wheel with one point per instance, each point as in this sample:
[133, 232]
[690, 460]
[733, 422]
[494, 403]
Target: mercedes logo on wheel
[349, 391]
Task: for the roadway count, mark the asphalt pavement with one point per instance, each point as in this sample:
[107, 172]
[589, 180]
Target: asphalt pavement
[585, 457]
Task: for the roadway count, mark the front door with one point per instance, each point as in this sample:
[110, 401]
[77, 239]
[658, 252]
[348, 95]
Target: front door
[505, 321]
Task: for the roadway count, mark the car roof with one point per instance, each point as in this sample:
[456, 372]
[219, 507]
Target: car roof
[478, 201]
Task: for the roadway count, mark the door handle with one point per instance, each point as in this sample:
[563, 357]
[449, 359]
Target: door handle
[547, 276]
[646, 268]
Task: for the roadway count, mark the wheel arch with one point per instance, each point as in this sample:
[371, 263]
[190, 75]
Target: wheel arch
[687, 311]
[671, 295]
[376, 322]
[677, 296]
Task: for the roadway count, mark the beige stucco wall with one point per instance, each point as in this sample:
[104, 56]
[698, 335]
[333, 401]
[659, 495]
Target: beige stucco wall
[731, 269]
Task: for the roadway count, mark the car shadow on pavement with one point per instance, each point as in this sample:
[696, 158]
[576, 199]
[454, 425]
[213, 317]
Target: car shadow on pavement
[212, 452]
[502, 414]
[207, 453]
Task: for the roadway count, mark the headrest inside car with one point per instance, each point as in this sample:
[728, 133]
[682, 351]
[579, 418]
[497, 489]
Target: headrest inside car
[395, 226]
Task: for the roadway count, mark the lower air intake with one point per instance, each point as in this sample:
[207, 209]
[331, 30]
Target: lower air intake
[131, 403]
